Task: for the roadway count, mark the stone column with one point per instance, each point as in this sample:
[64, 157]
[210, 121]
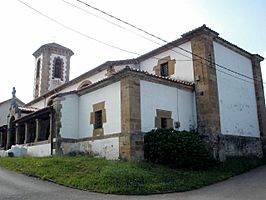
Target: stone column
[27, 132]
[8, 144]
[38, 130]
[1, 139]
[50, 138]
[207, 100]
[131, 140]
[260, 99]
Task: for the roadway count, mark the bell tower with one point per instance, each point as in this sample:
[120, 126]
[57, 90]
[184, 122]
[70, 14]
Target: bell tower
[52, 65]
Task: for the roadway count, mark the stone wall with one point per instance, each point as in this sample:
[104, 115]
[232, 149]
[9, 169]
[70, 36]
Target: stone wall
[131, 139]
[208, 116]
[258, 84]
[237, 146]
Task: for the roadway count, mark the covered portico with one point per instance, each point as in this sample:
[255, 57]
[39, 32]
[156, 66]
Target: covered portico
[32, 129]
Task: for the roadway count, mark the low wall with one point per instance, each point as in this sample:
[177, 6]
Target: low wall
[238, 146]
[107, 148]
[39, 150]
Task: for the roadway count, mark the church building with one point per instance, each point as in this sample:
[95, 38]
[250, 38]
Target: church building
[198, 82]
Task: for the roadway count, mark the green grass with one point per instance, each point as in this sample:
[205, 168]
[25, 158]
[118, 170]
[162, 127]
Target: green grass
[121, 177]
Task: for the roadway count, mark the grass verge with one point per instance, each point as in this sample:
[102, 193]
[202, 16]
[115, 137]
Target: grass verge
[121, 177]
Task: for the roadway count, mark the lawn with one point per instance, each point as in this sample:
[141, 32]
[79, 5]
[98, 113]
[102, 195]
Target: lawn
[121, 177]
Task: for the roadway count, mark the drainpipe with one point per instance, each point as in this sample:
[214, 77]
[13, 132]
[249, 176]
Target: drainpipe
[51, 130]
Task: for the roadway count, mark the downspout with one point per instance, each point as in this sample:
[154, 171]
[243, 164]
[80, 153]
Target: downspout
[51, 129]
[177, 109]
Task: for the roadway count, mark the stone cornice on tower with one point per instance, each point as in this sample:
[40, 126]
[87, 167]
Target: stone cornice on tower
[52, 45]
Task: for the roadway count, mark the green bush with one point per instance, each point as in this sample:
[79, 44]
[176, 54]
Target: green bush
[180, 149]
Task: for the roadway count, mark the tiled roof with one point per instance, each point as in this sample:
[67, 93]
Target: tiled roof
[27, 109]
[199, 29]
[52, 45]
[35, 113]
[161, 77]
[127, 68]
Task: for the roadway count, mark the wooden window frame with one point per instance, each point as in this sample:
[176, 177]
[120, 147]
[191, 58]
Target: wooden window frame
[170, 67]
[164, 69]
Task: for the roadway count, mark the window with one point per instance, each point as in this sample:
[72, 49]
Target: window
[84, 84]
[164, 69]
[58, 68]
[163, 119]
[163, 122]
[38, 68]
[98, 119]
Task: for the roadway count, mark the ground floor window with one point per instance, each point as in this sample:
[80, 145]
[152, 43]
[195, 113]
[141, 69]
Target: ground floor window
[163, 119]
[98, 118]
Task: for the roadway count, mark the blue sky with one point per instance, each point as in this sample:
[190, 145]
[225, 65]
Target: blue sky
[241, 22]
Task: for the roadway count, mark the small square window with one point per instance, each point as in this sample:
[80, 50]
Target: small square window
[164, 69]
[163, 122]
[98, 120]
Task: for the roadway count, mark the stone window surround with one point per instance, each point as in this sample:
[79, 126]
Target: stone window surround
[98, 107]
[84, 84]
[170, 63]
[163, 114]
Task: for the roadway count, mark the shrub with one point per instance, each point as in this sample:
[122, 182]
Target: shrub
[176, 149]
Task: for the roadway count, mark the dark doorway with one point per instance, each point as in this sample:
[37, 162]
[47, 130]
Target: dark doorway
[12, 132]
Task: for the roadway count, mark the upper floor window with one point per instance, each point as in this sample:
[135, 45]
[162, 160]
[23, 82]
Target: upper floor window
[84, 84]
[38, 68]
[164, 69]
[58, 68]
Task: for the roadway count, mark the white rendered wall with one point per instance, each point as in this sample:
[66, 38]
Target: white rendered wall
[94, 78]
[111, 95]
[237, 103]
[40, 104]
[4, 111]
[183, 65]
[39, 150]
[120, 67]
[107, 148]
[70, 116]
[156, 96]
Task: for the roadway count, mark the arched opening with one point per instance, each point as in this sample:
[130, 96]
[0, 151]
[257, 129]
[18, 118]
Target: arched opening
[84, 84]
[38, 68]
[58, 65]
[12, 132]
